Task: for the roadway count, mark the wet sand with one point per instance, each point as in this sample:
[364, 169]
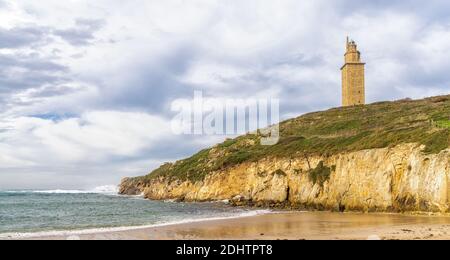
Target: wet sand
[291, 226]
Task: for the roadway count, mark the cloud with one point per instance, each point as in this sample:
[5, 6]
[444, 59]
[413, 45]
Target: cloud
[34, 63]
[19, 37]
[153, 83]
[97, 148]
[82, 33]
[83, 84]
[95, 137]
[25, 70]
[23, 73]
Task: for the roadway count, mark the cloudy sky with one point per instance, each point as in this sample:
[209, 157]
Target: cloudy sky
[86, 86]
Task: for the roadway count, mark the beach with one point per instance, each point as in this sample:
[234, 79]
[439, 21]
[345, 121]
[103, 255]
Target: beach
[283, 226]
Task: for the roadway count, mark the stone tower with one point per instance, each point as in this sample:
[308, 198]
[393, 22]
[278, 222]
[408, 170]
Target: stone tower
[353, 86]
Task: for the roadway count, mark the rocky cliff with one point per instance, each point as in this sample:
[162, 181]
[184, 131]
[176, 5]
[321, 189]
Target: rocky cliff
[383, 157]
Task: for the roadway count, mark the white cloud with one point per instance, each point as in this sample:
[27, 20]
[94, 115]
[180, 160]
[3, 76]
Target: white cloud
[89, 87]
[95, 137]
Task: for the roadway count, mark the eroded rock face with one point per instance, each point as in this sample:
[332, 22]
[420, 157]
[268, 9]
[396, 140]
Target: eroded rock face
[389, 179]
[130, 187]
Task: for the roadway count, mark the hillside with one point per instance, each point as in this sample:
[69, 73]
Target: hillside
[314, 139]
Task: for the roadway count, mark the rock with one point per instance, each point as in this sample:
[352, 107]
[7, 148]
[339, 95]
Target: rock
[238, 198]
[130, 187]
[394, 179]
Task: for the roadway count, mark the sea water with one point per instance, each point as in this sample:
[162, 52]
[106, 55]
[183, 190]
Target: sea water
[71, 210]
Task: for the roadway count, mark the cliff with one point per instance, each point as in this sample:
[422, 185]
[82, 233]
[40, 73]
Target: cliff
[390, 156]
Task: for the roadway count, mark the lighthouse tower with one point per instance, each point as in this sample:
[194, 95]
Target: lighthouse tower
[353, 85]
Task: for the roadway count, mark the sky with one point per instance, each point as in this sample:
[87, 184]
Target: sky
[86, 86]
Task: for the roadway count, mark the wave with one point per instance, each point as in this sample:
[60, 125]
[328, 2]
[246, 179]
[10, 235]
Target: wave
[74, 233]
[106, 189]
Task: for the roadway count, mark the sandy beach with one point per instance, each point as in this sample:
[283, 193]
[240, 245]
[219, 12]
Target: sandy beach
[291, 226]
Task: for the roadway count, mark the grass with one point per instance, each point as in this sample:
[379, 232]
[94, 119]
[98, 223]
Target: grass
[379, 125]
[443, 123]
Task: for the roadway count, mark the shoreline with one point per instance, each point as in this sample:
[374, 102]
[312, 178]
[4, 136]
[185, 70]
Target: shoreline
[101, 230]
[277, 225]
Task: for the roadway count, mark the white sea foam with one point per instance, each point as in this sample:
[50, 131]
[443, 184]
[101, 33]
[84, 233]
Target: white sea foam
[107, 189]
[73, 233]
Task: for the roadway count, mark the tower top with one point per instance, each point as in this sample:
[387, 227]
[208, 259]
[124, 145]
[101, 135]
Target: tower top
[351, 45]
[352, 55]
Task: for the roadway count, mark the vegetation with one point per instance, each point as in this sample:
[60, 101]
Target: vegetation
[345, 129]
[443, 123]
[321, 173]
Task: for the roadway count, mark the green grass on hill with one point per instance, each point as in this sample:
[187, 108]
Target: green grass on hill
[443, 123]
[345, 129]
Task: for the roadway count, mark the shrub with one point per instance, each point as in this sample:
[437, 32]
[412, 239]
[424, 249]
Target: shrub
[320, 174]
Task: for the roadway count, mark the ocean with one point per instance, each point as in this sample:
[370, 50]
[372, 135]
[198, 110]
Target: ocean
[39, 211]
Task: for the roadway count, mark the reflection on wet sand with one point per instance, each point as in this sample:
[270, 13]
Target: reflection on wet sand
[297, 225]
